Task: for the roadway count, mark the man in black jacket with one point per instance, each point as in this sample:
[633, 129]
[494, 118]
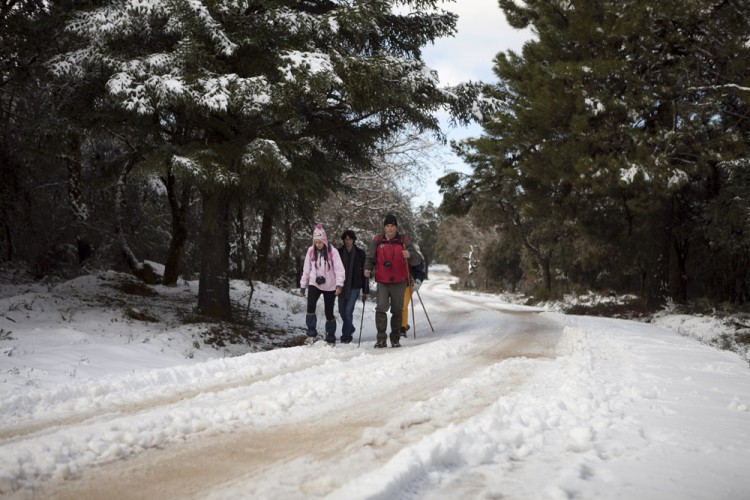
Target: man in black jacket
[353, 259]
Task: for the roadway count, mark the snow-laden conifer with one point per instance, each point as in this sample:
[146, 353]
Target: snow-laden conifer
[244, 92]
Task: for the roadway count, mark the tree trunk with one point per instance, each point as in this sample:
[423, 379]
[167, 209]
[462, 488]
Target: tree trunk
[143, 271]
[241, 257]
[544, 263]
[76, 201]
[681, 251]
[179, 233]
[657, 279]
[264, 245]
[213, 286]
[8, 244]
[286, 255]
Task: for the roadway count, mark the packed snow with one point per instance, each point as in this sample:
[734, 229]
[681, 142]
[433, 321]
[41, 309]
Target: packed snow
[499, 401]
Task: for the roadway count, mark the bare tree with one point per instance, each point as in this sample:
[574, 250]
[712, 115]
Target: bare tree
[404, 163]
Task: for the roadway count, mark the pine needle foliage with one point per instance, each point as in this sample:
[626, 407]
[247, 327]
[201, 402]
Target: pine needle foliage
[244, 94]
[618, 127]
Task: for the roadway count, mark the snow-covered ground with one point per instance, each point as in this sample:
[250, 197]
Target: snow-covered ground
[500, 401]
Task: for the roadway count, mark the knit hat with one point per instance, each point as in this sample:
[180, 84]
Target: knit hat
[320, 234]
[390, 219]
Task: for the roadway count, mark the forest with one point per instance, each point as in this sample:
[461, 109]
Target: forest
[618, 160]
[211, 136]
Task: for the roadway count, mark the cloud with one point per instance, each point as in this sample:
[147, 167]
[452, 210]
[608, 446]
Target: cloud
[482, 33]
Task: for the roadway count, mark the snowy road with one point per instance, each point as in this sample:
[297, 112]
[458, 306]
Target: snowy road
[330, 404]
[500, 401]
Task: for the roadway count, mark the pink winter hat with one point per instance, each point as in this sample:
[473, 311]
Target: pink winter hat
[320, 234]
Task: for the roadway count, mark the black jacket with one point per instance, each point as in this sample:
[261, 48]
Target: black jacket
[355, 271]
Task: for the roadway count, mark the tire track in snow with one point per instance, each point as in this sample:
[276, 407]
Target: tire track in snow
[304, 455]
[181, 394]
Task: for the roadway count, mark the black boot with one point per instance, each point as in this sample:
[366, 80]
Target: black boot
[395, 340]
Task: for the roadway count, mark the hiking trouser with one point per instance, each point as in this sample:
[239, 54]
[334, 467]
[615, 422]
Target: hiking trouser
[346, 311]
[405, 311]
[311, 320]
[390, 296]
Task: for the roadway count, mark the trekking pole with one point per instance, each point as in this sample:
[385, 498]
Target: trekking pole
[425, 310]
[362, 321]
[413, 319]
[410, 283]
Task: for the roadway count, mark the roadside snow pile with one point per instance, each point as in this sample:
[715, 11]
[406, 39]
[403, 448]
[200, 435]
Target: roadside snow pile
[53, 331]
[728, 333]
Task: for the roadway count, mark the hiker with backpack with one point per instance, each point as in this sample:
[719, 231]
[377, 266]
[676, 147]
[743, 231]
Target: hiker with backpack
[353, 259]
[322, 274]
[389, 256]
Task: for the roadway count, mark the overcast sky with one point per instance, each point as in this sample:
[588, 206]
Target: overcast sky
[482, 33]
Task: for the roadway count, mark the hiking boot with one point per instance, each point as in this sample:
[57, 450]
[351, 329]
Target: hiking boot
[311, 339]
[403, 331]
[395, 344]
[331, 339]
[380, 344]
[346, 340]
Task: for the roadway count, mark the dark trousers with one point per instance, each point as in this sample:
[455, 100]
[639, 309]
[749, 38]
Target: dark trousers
[346, 311]
[313, 294]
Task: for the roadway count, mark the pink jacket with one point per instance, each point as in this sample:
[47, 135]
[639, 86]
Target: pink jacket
[334, 274]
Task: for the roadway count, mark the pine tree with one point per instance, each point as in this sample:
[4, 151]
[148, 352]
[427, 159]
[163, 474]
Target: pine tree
[263, 94]
[615, 122]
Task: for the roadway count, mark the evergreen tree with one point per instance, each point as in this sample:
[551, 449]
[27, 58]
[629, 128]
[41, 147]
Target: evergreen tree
[262, 94]
[614, 124]
[40, 151]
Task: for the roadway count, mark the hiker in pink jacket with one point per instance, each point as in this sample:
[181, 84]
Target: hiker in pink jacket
[322, 274]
